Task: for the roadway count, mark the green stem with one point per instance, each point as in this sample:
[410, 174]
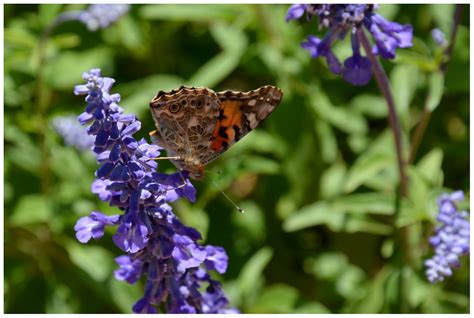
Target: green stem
[384, 85]
[43, 100]
[402, 256]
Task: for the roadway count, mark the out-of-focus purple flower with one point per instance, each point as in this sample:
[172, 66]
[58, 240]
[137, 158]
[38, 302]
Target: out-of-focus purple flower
[96, 16]
[438, 37]
[342, 19]
[296, 11]
[72, 133]
[157, 244]
[451, 239]
[100, 16]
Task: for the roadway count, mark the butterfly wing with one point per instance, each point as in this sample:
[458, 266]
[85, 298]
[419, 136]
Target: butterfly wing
[239, 113]
[185, 121]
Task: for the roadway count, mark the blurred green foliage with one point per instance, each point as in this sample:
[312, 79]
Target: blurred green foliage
[317, 180]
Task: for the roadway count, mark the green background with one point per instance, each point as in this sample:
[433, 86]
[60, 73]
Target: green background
[317, 179]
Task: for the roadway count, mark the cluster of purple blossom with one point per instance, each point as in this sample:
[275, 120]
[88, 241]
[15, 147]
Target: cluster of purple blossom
[451, 239]
[72, 133]
[96, 16]
[348, 18]
[156, 242]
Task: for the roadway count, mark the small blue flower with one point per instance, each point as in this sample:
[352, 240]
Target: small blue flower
[72, 133]
[296, 11]
[342, 19]
[100, 16]
[93, 226]
[96, 16]
[130, 270]
[157, 244]
[451, 239]
[438, 37]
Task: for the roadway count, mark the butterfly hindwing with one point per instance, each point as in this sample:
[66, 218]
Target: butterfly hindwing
[239, 113]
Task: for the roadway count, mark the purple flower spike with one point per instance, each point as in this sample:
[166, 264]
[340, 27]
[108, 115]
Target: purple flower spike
[157, 244]
[451, 239]
[342, 19]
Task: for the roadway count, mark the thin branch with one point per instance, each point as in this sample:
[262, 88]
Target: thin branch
[426, 116]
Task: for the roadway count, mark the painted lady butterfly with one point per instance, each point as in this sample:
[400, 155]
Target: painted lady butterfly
[196, 125]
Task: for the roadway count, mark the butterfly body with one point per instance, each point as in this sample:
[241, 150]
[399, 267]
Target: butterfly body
[196, 125]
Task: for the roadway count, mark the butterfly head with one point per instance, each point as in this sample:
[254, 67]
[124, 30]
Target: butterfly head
[191, 165]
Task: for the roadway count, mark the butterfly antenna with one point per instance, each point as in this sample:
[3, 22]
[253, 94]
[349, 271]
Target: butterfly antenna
[227, 197]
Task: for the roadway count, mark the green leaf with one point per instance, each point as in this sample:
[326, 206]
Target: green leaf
[343, 118]
[261, 164]
[31, 209]
[355, 225]
[435, 90]
[94, 260]
[278, 299]
[25, 152]
[252, 225]
[312, 308]
[193, 216]
[349, 282]
[328, 265]
[17, 38]
[216, 69]
[327, 139]
[371, 105]
[418, 195]
[234, 42]
[430, 167]
[251, 275]
[380, 157]
[66, 40]
[65, 71]
[48, 12]
[125, 295]
[366, 166]
[366, 203]
[139, 93]
[404, 79]
[443, 15]
[373, 300]
[191, 12]
[332, 180]
[315, 214]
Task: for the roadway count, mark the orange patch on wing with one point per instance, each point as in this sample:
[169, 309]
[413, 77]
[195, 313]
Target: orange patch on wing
[224, 133]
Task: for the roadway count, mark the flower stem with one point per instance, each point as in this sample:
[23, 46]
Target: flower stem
[402, 256]
[454, 30]
[43, 99]
[425, 117]
[384, 85]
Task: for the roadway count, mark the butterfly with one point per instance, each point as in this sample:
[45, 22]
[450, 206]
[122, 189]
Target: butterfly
[196, 125]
